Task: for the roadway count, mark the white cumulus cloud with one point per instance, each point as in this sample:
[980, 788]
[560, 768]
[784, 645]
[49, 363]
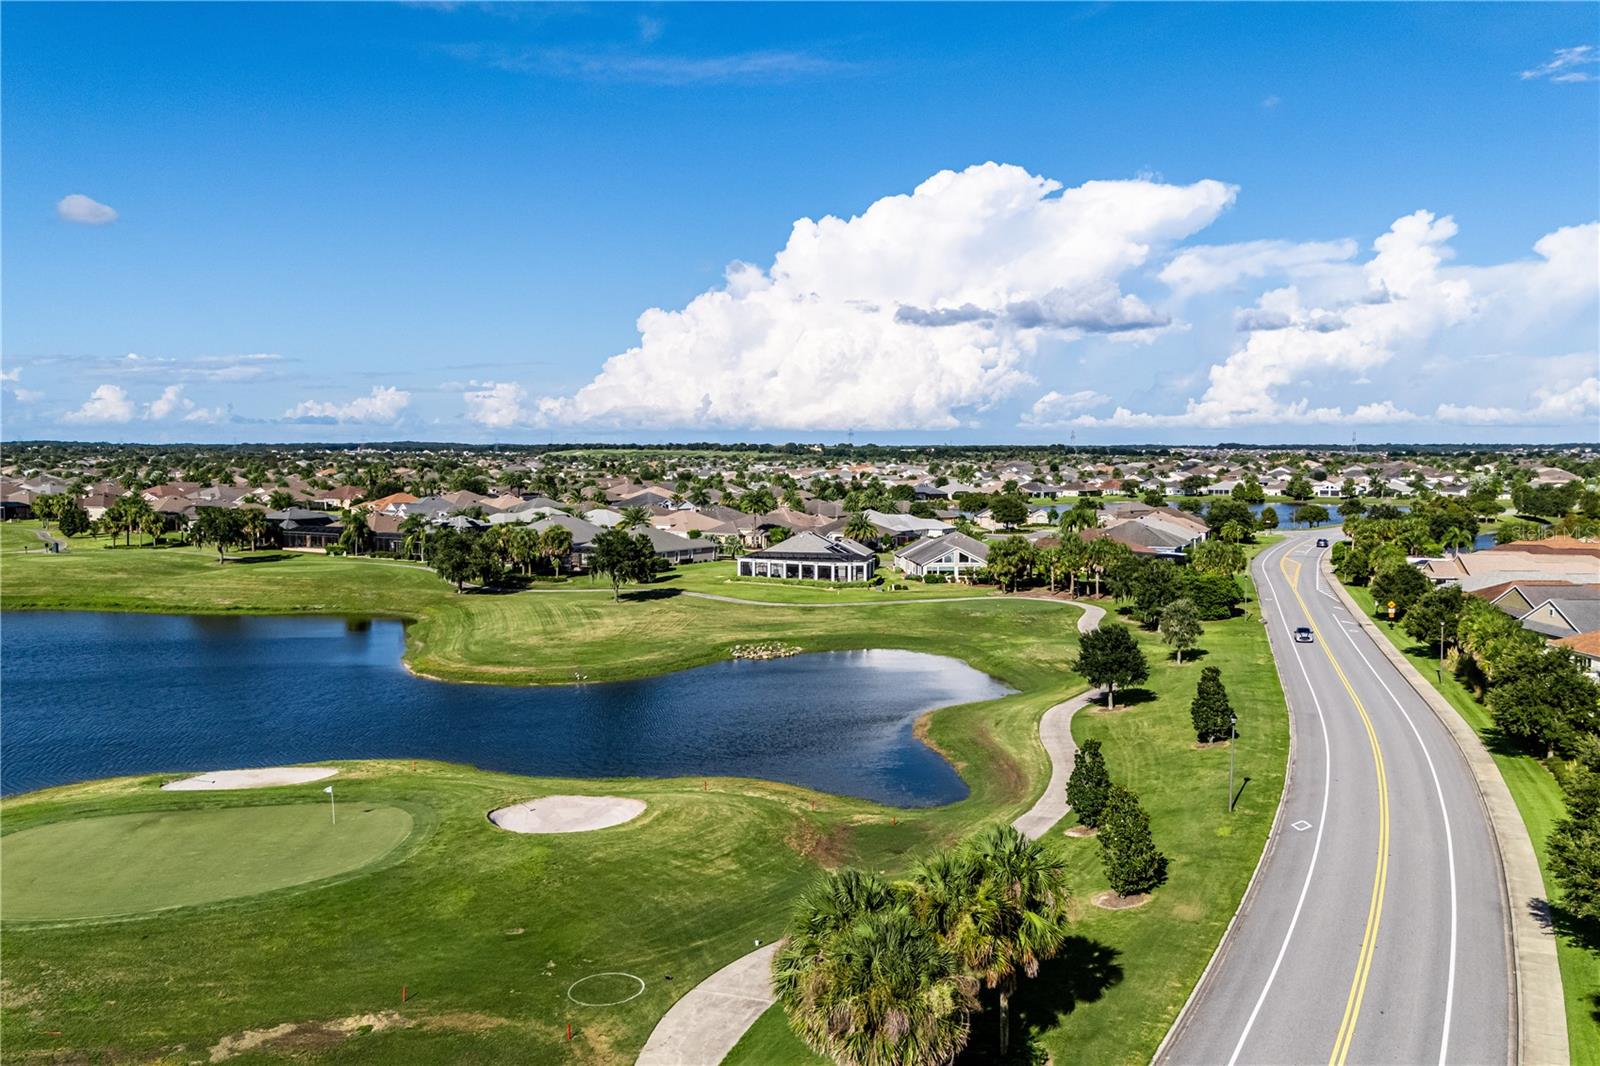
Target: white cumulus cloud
[108, 403]
[1206, 268]
[495, 404]
[76, 207]
[383, 405]
[1055, 408]
[1358, 317]
[171, 401]
[913, 314]
[1565, 404]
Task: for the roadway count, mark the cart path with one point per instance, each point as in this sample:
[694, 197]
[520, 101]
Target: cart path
[702, 1027]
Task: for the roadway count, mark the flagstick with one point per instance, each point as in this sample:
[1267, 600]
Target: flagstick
[333, 806]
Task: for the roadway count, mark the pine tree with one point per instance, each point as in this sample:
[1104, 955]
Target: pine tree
[1127, 850]
[1089, 784]
[1210, 711]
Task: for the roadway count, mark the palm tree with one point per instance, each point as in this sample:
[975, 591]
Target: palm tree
[1074, 553]
[153, 524]
[1000, 906]
[1083, 515]
[415, 528]
[864, 984]
[634, 516]
[522, 544]
[860, 528]
[1101, 554]
[555, 544]
[356, 533]
[255, 527]
[1457, 538]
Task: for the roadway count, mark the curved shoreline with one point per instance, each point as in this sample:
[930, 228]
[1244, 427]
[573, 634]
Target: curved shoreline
[711, 1018]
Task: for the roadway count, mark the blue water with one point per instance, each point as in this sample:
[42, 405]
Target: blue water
[1286, 513]
[96, 695]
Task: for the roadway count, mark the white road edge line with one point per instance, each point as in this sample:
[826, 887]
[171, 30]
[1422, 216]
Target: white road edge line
[1322, 821]
[1449, 845]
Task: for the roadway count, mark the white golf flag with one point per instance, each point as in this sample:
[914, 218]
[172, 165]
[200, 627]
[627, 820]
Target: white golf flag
[328, 789]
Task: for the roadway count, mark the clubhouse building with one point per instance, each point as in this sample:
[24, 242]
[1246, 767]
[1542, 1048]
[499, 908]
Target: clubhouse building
[810, 556]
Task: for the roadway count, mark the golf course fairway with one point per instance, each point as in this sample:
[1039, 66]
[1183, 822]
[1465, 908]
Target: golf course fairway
[129, 864]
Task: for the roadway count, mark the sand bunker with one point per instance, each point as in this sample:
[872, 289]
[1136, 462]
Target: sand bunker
[264, 777]
[566, 814]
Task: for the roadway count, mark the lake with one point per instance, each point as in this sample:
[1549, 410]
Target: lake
[90, 695]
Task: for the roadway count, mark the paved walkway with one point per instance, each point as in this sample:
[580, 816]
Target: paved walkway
[703, 1026]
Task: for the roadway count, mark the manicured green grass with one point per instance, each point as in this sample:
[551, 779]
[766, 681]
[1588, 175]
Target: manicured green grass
[488, 929]
[1127, 973]
[1541, 804]
[532, 637]
[134, 863]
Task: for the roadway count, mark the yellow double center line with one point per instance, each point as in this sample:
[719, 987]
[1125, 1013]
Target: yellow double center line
[1380, 876]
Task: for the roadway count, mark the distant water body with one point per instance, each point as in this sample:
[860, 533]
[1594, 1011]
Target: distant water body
[88, 695]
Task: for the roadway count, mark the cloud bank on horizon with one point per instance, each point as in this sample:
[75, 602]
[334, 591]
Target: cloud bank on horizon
[928, 309]
[970, 302]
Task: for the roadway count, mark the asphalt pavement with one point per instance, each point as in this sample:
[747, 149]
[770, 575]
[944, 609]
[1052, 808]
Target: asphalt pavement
[1376, 929]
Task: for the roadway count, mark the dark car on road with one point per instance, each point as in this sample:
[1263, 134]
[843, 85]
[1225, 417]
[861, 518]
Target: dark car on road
[1302, 635]
[1322, 542]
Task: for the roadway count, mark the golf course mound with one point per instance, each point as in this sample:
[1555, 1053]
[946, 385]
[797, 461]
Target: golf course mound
[566, 814]
[129, 864]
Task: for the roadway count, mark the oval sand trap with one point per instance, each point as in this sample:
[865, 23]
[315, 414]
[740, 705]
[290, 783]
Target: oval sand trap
[263, 777]
[125, 864]
[566, 814]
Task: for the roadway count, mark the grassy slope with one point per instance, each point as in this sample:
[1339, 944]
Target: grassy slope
[1130, 971]
[1540, 802]
[533, 637]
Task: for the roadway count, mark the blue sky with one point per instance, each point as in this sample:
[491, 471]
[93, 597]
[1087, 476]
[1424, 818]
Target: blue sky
[367, 221]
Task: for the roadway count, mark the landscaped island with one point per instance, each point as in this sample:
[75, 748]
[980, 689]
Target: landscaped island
[486, 930]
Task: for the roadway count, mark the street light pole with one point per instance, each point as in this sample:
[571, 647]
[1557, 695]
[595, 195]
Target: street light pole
[1233, 733]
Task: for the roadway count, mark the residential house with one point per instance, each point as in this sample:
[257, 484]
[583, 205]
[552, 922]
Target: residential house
[678, 550]
[336, 499]
[1586, 646]
[1565, 613]
[810, 556]
[302, 529]
[953, 555]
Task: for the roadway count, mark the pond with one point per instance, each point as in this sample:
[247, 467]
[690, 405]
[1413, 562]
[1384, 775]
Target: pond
[91, 695]
[1286, 512]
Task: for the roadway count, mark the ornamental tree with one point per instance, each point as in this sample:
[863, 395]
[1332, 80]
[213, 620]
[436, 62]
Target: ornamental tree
[1127, 850]
[1211, 712]
[1108, 656]
[1180, 625]
[1089, 785]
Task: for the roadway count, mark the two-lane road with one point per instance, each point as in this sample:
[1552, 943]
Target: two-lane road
[1376, 928]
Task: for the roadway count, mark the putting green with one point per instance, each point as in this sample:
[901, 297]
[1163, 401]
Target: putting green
[132, 863]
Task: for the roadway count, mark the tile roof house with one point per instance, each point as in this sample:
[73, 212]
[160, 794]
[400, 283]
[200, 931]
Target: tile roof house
[384, 503]
[810, 556]
[1586, 646]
